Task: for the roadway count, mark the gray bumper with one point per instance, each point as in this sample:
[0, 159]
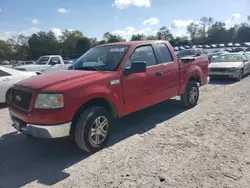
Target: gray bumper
[48, 131]
[208, 80]
[234, 74]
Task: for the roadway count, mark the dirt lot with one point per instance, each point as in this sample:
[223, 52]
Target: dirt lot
[162, 146]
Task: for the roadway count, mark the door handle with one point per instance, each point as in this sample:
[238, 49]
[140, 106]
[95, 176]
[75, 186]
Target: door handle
[159, 73]
[6, 79]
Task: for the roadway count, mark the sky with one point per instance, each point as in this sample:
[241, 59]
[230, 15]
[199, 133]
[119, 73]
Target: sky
[123, 17]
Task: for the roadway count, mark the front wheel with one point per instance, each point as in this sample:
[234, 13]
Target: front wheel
[240, 75]
[191, 95]
[92, 129]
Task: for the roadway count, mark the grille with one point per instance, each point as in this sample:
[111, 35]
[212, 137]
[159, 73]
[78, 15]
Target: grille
[217, 69]
[21, 99]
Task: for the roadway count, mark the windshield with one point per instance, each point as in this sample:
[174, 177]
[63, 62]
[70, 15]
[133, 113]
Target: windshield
[186, 53]
[43, 60]
[229, 58]
[105, 58]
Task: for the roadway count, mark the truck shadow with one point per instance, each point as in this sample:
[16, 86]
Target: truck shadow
[221, 81]
[24, 160]
[224, 81]
[3, 105]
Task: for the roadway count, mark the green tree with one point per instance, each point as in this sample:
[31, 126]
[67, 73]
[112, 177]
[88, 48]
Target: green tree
[102, 42]
[151, 37]
[164, 34]
[138, 37]
[232, 34]
[217, 33]
[192, 29]
[5, 50]
[82, 46]
[109, 38]
[243, 33]
[93, 42]
[205, 23]
[69, 40]
[180, 41]
[43, 43]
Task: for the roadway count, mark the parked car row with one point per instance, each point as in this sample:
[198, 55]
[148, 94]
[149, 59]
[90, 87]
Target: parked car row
[20, 63]
[49, 63]
[210, 46]
[104, 84]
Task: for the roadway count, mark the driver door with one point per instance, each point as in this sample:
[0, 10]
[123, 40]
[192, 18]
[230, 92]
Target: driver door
[6, 81]
[140, 89]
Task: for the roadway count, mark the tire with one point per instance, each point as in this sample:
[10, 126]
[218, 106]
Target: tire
[191, 89]
[86, 123]
[27, 136]
[240, 75]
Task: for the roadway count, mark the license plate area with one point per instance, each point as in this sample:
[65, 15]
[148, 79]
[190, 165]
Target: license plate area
[17, 124]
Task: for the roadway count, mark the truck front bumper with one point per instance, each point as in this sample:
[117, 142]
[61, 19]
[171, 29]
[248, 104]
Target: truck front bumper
[42, 131]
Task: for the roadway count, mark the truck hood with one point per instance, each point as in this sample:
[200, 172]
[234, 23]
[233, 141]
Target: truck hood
[225, 64]
[60, 78]
[32, 67]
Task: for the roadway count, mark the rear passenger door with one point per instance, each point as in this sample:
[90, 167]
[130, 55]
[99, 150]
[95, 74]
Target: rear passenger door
[170, 70]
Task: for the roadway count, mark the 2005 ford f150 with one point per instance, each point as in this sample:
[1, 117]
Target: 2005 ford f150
[107, 82]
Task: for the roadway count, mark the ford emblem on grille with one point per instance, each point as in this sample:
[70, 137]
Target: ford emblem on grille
[18, 98]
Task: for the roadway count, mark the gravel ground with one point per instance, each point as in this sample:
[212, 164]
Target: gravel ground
[162, 146]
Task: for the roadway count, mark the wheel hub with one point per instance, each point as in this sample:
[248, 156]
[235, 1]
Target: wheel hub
[99, 130]
[193, 95]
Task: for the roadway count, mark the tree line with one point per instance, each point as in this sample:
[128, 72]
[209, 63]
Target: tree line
[73, 43]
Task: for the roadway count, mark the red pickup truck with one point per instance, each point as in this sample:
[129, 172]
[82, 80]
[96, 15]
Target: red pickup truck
[107, 82]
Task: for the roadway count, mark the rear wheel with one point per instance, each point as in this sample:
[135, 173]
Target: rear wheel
[191, 95]
[93, 129]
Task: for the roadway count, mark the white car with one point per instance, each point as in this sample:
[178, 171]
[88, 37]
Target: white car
[232, 65]
[8, 77]
[48, 63]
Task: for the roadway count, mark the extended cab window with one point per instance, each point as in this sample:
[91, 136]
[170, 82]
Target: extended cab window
[142, 54]
[2, 73]
[165, 54]
[105, 58]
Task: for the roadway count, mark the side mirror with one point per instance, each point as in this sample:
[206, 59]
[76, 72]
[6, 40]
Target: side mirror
[245, 61]
[136, 67]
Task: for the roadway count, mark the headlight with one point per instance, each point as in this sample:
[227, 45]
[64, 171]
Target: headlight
[49, 101]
